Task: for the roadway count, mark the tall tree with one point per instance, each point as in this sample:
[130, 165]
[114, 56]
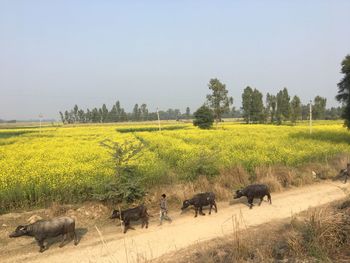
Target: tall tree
[88, 116]
[257, 108]
[81, 116]
[113, 114]
[218, 100]
[295, 108]
[136, 113]
[62, 117]
[247, 101]
[344, 90]
[283, 106]
[319, 108]
[104, 113]
[95, 115]
[271, 103]
[188, 112]
[144, 112]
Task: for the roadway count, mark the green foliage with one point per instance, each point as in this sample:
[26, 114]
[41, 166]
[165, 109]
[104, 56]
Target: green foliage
[126, 186]
[203, 117]
[283, 106]
[319, 108]
[344, 90]
[252, 105]
[271, 104]
[295, 106]
[219, 101]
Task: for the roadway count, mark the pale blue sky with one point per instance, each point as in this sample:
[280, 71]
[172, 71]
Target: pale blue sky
[54, 54]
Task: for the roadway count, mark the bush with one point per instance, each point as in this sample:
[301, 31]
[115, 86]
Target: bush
[203, 118]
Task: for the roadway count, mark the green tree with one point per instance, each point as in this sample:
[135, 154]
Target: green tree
[319, 108]
[144, 112]
[95, 115]
[219, 101]
[81, 116]
[188, 113]
[113, 114]
[62, 117]
[344, 90]
[136, 113]
[104, 113]
[283, 106]
[203, 117]
[75, 113]
[252, 105]
[257, 108]
[271, 103]
[247, 101]
[295, 107]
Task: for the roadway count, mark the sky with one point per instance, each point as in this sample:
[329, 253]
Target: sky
[55, 54]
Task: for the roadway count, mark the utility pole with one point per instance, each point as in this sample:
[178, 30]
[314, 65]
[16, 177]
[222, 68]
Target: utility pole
[158, 119]
[310, 116]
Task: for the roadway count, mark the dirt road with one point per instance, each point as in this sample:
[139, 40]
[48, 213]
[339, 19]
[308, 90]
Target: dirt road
[140, 244]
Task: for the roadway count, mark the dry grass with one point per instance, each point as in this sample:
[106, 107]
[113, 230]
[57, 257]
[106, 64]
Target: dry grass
[56, 209]
[229, 180]
[318, 235]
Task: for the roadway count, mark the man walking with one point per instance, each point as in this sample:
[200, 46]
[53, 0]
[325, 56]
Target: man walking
[163, 214]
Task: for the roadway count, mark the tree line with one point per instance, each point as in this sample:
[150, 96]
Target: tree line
[118, 114]
[281, 107]
[276, 108]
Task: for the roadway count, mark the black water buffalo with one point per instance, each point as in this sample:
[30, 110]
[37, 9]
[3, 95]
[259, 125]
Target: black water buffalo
[254, 191]
[200, 200]
[44, 229]
[132, 214]
[345, 173]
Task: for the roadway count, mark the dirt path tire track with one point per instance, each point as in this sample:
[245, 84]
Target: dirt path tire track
[140, 244]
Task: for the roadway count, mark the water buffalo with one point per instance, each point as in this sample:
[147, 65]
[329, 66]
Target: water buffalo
[254, 191]
[132, 214]
[345, 173]
[44, 229]
[200, 200]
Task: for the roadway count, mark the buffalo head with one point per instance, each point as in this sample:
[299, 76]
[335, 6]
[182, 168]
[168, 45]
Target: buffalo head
[238, 194]
[20, 231]
[185, 204]
[115, 214]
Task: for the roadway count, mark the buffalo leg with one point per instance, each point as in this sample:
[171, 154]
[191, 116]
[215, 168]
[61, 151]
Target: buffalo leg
[269, 198]
[261, 199]
[201, 211]
[250, 201]
[216, 209]
[126, 224]
[196, 211]
[210, 207]
[41, 245]
[143, 223]
[75, 238]
[63, 240]
[146, 222]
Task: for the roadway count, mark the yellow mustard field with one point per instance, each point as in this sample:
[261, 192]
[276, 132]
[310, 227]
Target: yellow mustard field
[69, 164]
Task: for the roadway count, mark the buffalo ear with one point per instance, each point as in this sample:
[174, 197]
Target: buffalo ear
[237, 192]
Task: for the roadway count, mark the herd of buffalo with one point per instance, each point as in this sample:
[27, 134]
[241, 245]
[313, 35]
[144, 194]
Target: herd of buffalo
[65, 226]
